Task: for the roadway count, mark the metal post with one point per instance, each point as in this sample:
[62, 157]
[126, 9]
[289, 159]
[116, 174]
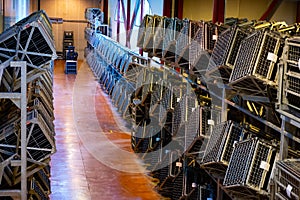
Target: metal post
[224, 106]
[283, 153]
[23, 108]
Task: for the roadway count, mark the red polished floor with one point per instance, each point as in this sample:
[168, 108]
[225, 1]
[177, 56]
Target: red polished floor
[93, 158]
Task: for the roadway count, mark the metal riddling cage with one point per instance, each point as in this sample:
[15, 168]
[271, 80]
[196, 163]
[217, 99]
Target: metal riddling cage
[169, 43]
[197, 40]
[149, 32]
[29, 40]
[224, 53]
[289, 79]
[36, 191]
[220, 146]
[159, 35]
[210, 36]
[249, 168]
[287, 181]
[196, 129]
[254, 69]
[43, 178]
[169, 34]
[92, 14]
[182, 43]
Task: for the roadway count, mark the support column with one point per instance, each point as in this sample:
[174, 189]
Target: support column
[218, 11]
[167, 8]
[128, 27]
[118, 20]
[298, 12]
[23, 107]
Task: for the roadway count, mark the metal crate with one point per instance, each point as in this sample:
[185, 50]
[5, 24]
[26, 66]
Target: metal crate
[197, 41]
[32, 38]
[36, 191]
[159, 36]
[220, 146]
[289, 90]
[224, 54]
[182, 43]
[169, 43]
[249, 168]
[93, 14]
[43, 178]
[254, 69]
[288, 179]
[149, 32]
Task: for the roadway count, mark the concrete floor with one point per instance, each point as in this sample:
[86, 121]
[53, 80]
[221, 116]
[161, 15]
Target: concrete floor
[93, 159]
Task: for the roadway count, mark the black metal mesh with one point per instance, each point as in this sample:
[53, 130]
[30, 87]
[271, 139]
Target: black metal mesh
[293, 45]
[246, 56]
[178, 186]
[249, 164]
[40, 49]
[240, 163]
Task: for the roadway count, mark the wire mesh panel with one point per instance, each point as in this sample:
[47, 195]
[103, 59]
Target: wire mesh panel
[32, 38]
[169, 35]
[92, 14]
[196, 129]
[182, 42]
[220, 146]
[210, 36]
[149, 32]
[254, 66]
[197, 40]
[159, 35]
[250, 167]
[43, 177]
[288, 179]
[36, 191]
[225, 52]
[178, 186]
[169, 43]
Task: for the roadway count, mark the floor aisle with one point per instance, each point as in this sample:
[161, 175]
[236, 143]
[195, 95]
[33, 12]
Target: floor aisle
[93, 159]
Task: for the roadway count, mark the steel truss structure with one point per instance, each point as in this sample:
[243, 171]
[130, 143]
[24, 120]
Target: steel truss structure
[27, 130]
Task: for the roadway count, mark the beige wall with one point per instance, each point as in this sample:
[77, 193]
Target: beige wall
[254, 9]
[70, 10]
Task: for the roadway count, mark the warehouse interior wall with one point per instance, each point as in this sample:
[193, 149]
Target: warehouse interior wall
[252, 10]
[69, 10]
